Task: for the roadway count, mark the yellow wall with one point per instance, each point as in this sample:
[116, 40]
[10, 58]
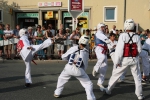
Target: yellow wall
[136, 9]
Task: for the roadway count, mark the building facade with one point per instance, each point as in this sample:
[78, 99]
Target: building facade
[111, 12]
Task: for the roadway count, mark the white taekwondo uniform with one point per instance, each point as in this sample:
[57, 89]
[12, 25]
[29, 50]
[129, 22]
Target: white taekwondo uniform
[145, 57]
[72, 69]
[28, 54]
[126, 62]
[111, 49]
[101, 50]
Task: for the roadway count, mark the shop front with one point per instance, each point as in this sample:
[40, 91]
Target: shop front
[50, 17]
[81, 22]
[27, 19]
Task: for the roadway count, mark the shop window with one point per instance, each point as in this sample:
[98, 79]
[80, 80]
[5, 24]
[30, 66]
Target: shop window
[110, 13]
[1, 15]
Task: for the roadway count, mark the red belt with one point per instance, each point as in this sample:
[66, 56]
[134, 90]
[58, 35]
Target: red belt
[104, 48]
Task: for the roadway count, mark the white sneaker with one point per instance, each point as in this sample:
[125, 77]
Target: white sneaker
[106, 91]
[141, 97]
[101, 87]
[56, 96]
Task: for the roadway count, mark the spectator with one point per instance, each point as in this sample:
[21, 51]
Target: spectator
[1, 39]
[44, 36]
[120, 31]
[114, 29]
[39, 39]
[16, 35]
[143, 37]
[139, 33]
[31, 36]
[74, 38]
[107, 32]
[117, 35]
[43, 29]
[106, 28]
[49, 34]
[52, 30]
[67, 33]
[8, 34]
[87, 33]
[92, 44]
[60, 42]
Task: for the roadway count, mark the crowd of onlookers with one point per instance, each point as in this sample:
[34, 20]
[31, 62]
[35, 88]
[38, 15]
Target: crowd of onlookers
[62, 40]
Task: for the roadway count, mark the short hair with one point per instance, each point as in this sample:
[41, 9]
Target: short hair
[148, 33]
[7, 24]
[112, 34]
[30, 28]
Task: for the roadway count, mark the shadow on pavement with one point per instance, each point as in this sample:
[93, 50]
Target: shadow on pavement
[22, 87]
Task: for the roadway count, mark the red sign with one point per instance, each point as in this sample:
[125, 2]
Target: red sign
[76, 5]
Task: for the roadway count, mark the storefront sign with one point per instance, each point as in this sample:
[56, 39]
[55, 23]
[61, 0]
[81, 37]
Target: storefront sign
[29, 20]
[76, 5]
[50, 14]
[66, 14]
[27, 15]
[47, 4]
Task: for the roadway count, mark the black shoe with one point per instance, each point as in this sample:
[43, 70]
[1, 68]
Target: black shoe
[27, 84]
[145, 80]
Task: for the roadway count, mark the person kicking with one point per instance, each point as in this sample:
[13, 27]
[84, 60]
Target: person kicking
[27, 51]
[77, 58]
[101, 41]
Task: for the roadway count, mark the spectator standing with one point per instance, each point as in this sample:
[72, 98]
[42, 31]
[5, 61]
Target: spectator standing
[8, 34]
[49, 34]
[52, 30]
[31, 36]
[92, 44]
[75, 36]
[39, 39]
[114, 29]
[117, 35]
[60, 37]
[54, 34]
[139, 33]
[16, 35]
[143, 37]
[107, 32]
[44, 29]
[1, 39]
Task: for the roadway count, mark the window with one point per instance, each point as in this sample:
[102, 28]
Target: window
[1, 15]
[110, 13]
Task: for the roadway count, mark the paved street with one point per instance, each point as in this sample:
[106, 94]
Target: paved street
[44, 76]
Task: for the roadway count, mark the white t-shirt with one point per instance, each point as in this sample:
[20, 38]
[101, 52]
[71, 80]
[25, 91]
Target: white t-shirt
[8, 32]
[114, 31]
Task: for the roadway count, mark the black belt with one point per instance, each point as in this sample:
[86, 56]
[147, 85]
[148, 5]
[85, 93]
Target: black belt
[146, 50]
[112, 51]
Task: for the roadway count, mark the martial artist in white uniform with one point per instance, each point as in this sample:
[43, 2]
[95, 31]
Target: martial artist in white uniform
[77, 57]
[27, 52]
[101, 52]
[145, 59]
[126, 55]
[112, 46]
